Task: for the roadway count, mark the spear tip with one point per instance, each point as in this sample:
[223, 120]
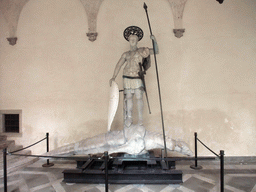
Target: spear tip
[145, 6]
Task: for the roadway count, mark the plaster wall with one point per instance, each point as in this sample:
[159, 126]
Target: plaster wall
[60, 79]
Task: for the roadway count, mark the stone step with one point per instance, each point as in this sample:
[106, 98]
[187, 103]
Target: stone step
[14, 162]
[14, 147]
[10, 145]
[3, 137]
[7, 144]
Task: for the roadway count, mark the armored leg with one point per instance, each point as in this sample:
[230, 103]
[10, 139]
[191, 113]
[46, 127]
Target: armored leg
[129, 106]
[140, 105]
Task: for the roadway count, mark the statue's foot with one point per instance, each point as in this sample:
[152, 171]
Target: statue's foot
[183, 148]
[128, 121]
[140, 122]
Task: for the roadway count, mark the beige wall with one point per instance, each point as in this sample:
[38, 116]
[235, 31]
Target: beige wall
[60, 79]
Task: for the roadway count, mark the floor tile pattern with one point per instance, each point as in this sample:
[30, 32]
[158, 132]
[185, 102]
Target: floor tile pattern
[35, 178]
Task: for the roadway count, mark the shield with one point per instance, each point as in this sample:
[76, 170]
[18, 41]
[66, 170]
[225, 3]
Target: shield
[113, 103]
[146, 64]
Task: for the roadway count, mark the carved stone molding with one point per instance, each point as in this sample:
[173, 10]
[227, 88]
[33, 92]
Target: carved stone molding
[177, 11]
[178, 32]
[11, 10]
[92, 36]
[92, 9]
[12, 40]
[220, 1]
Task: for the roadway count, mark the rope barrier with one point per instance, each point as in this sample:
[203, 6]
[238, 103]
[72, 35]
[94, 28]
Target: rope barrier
[208, 148]
[121, 158]
[166, 158]
[54, 157]
[5, 153]
[221, 157]
[27, 146]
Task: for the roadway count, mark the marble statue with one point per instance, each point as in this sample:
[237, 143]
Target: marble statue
[132, 82]
[113, 103]
[134, 140]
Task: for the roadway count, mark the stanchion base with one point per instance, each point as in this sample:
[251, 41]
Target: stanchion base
[196, 167]
[48, 165]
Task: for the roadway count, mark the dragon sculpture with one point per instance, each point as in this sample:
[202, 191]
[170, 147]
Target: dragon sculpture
[133, 140]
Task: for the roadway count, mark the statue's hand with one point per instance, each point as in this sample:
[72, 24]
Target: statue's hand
[141, 73]
[152, 37]
[110, 81]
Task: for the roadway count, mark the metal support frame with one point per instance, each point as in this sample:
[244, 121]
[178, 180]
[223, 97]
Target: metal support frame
[124, 170]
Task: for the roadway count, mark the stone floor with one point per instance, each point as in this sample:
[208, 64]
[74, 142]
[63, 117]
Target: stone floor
[239, 177]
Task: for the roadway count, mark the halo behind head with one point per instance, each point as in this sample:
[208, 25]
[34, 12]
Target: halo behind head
[133, 30]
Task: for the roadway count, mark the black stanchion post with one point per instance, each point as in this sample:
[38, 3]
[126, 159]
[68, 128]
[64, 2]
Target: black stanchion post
[106, 170]
[5, 168]
[195, 166]
[221, 170]
[48, 164]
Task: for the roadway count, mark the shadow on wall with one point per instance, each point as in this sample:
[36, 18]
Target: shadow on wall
[80, 132]
[214, 126]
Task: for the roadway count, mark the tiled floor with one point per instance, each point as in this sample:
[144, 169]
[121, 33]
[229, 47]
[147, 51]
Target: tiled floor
[35, 178]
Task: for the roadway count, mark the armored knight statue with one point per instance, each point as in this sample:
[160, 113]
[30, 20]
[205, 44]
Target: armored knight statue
[134, 139]
[134, 62]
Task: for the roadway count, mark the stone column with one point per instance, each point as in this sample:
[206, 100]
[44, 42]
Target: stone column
[92, 9]
[11, 11]
[177, 11]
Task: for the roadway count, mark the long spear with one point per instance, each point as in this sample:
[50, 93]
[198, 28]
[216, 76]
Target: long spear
[159, 92]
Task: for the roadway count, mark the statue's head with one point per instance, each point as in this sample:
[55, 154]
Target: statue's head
[132, 31]
[133, 39]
